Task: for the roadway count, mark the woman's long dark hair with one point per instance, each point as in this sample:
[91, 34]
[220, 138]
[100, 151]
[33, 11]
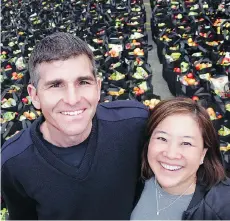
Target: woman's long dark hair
[211, 171]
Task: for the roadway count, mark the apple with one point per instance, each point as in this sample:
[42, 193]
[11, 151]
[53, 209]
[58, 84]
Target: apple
[128, 46]
[195, 98]
[197, 67]
[25, 100]
[178, 70]
[141, 91]
[190, 75]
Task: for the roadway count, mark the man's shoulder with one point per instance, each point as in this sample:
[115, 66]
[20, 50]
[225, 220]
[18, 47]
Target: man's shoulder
[121, 110]
[16, 145]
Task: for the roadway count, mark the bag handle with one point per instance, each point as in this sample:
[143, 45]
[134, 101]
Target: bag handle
[7, 129]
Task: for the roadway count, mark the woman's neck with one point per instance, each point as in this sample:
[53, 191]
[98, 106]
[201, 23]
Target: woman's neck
[186, 188]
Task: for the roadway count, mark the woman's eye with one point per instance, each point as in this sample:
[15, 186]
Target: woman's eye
[186, 144]
[161, 138]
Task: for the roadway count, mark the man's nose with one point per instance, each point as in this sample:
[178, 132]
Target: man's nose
[72, 95]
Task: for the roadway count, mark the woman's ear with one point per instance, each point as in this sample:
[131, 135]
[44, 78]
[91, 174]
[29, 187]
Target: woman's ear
[203, 155]
[32, 91]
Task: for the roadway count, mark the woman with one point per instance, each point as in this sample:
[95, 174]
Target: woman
[181, 166]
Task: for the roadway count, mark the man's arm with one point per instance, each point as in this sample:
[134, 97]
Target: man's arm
[19, 205]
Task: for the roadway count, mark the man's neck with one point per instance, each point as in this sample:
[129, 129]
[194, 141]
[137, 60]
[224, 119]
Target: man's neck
[57, 138]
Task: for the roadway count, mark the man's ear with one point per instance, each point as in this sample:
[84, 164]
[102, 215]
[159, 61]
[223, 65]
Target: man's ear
[99, 87]
[32, 91]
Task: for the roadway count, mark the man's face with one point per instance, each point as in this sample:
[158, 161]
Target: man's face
[67, 93]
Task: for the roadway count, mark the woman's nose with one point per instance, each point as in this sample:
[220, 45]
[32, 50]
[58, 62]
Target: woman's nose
[172, 152]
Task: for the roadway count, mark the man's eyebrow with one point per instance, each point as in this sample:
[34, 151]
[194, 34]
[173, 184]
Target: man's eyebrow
[51, 82]
[59, 81]
[86, 78]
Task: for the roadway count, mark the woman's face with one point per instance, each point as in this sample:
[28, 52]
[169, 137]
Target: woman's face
[176, 151]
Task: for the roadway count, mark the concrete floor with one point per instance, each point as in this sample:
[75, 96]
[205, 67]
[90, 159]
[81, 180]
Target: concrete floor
[160, 86]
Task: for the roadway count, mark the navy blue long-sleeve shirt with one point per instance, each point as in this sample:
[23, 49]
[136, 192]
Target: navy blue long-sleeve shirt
[36, 184]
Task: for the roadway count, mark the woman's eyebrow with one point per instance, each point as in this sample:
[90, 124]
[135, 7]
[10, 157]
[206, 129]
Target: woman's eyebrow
[191, 137]
[160, 131]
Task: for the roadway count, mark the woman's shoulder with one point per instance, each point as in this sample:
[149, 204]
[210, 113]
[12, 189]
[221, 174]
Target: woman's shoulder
[221, 187]
[218, 199]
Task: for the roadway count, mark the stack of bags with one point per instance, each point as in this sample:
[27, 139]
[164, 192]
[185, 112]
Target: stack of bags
[114, 30]
[193, 44]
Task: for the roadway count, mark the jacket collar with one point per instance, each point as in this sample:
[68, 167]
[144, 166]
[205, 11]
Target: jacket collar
[198, 195]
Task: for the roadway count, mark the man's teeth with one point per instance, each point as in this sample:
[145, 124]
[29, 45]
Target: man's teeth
[168, 167]
[73, 113]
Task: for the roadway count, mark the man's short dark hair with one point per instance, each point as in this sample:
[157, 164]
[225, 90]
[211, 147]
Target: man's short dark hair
[58, 46]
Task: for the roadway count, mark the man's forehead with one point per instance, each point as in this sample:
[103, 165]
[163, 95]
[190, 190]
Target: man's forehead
[51, 70]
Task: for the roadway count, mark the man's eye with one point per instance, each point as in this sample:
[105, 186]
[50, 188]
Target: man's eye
[55, 85]
[84, 83]
[186, 144]
[161, 138]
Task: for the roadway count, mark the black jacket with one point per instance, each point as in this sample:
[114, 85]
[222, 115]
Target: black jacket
[213, 204]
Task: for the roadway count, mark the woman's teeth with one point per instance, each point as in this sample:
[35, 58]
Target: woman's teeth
[169, 167]
[73, 113]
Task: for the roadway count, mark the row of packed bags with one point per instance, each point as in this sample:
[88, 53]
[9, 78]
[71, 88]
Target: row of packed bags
[114, 30]
[193, 44]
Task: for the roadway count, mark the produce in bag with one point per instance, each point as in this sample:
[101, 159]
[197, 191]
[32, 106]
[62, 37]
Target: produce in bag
[141, 88]
[191, 42]
[140, 73]
[6, 103]
[29, 115]
[116, 91]
[173, 57]
[16, 76]
[116, 76]
[113, 53]
[132, 44]
[151, 103]
[200, 66]
[8, 116]
[224, 131]
[224, 61]
[218, 84]
[27, 100]
[189, 80]
[213, 114]
[136, 35]
[115, 65]
[184, 67]
[137, 51]
[138, 62]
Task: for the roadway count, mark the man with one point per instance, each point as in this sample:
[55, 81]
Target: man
[80, 160]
